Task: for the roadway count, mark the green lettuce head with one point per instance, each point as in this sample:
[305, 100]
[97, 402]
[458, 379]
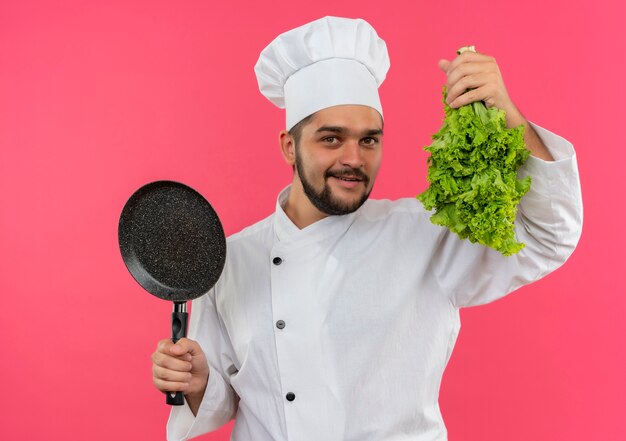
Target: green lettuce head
[472, 173]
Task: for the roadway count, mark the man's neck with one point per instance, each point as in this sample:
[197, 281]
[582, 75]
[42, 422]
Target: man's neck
[299, 208]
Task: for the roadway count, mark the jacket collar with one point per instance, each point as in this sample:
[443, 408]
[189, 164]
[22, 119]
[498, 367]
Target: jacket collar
[287, 231]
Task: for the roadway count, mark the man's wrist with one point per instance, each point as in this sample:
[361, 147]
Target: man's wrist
[514, 118]
[535, 145]
[194, 399]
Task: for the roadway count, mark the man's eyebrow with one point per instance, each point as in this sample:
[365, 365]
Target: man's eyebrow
[374, 132]
[334, 129]
[338, 129]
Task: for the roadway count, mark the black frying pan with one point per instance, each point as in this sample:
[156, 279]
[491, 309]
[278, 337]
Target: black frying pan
[173, 244]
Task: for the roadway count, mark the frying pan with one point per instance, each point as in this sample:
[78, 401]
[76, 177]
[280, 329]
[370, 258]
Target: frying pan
[173, 244]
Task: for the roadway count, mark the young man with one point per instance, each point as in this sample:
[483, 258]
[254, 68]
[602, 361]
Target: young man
[335, 317]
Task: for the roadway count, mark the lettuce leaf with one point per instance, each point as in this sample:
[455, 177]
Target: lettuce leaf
[472, 171]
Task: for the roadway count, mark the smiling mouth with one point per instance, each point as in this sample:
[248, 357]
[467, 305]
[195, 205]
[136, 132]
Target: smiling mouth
[349, 175]
[349, 182]
[348, 178]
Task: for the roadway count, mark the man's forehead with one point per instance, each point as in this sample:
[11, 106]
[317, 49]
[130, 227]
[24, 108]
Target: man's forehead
[346, 118]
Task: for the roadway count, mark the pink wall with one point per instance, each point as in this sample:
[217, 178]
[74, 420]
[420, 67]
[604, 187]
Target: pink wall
[98, 98]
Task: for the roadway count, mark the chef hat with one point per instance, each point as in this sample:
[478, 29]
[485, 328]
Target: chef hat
[327, 62]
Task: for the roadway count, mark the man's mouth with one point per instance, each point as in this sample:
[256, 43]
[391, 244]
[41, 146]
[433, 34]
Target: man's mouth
[349, 178]
[348, 175]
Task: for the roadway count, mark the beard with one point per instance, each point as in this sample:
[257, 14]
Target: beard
[324, 200]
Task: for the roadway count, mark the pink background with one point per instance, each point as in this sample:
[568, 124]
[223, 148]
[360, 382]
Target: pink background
[98, 98]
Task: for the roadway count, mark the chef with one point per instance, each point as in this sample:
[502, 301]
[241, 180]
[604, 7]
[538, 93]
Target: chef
[335, 317]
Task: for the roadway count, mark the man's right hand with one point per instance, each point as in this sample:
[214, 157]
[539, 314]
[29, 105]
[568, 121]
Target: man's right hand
[181, 366]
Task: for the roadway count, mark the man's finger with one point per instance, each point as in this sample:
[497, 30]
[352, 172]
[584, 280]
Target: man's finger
[480, 94]
[444, 65]
[164, 345]
[468, 69]
[169, 362]
[169, 386]
[468, 97]
[474, 81]
[469, 57]
[170, 375]
[185, 346]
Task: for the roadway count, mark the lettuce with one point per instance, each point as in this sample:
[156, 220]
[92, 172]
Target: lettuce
[472, 173]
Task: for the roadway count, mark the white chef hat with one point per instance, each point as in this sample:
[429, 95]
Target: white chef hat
[325, 63]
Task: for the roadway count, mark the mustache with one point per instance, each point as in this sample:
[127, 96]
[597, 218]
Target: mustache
[348, 172]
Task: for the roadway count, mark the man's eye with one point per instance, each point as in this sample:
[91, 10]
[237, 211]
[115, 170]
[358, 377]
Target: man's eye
[369, 141]
[330, 139]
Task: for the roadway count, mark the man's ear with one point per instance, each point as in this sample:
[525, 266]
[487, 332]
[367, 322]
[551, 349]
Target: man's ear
[287, 147]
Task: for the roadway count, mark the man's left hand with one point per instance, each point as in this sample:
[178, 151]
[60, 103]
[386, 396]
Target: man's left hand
[480, 73]
[476, 77]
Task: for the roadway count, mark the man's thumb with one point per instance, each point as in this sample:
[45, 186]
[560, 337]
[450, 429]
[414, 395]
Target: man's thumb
[444, 65]
[184, 346]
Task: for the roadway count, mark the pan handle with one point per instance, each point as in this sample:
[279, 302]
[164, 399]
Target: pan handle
[179, 330]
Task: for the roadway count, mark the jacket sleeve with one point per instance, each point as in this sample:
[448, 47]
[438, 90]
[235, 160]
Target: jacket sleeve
[219, 403]
[549, 222]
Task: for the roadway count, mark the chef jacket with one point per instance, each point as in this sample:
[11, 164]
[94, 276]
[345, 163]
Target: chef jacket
[342, 330]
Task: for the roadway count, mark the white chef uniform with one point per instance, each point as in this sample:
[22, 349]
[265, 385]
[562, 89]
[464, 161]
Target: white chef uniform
[341, 331]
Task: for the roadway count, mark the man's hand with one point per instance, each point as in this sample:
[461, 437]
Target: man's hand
[181, 366]
[480, 74]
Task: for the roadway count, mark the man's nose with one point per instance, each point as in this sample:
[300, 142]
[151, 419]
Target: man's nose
[351, 154]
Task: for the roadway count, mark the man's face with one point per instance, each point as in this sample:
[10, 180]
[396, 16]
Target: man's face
[338, 157]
